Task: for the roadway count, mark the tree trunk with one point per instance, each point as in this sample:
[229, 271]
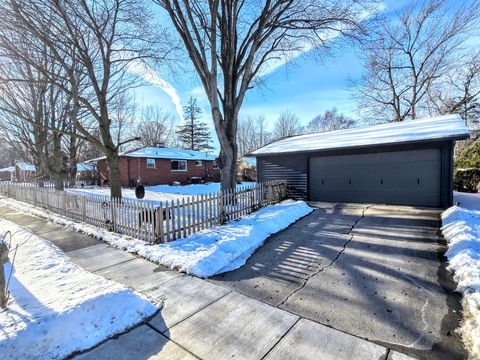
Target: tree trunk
[113, 161]
[72, 171]
[58, 181]
[72, 175]
[226, 132]
[227, 167]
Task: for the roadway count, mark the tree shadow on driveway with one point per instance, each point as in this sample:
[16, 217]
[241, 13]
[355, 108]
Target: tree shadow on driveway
[376, 272]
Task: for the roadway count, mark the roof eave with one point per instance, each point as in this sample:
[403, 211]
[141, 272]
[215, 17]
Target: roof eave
[450, 138]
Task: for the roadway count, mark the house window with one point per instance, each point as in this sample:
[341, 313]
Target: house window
[150, 163]
[179, 165]
[215, 164]
[198, 163]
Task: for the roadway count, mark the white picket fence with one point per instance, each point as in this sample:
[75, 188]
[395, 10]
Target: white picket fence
[147, 220]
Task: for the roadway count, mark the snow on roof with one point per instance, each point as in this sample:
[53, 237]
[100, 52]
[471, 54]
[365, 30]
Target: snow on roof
[8, 169]
[163, 153]
[25, 166]
[435, 128]
[168, 153]
[85, 167]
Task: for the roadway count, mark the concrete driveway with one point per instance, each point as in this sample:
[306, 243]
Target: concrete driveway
[373, 271]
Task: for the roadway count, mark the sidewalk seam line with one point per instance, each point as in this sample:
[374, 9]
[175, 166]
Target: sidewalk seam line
[189, 316]
[168, 339]
[109, 266]
[281, 338]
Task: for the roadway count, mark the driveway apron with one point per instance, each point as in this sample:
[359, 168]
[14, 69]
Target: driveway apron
[373, 271]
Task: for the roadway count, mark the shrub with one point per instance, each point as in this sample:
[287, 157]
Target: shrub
[469, 156]
[467, 180]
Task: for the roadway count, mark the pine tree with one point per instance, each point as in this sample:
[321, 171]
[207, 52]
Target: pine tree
[194, 134]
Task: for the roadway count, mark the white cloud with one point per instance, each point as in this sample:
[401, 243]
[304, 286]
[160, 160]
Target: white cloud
[145, 71]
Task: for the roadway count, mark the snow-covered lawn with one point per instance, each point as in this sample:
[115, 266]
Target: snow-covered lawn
[461, 228]
[57, 308]
[160, 193]
[204, 254]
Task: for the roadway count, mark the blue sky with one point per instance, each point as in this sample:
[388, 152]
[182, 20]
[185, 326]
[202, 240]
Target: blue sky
[305, 87]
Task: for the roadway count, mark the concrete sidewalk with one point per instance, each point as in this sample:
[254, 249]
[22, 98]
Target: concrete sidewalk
[199, 320]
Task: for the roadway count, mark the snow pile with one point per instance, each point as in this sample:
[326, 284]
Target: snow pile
[461, 228]
[204, 254]
[225, 248]
[56, 308]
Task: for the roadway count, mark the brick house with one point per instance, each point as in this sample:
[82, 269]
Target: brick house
[155, 166]
[22, 171]
[7, 174]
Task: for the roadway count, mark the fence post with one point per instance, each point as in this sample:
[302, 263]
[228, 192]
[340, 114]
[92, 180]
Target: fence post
[159, 224]
[114, 219]
[64, 199]
[221, 210]
[35, 196]
[84, 209]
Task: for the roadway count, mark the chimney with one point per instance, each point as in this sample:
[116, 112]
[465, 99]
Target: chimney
[161, 144]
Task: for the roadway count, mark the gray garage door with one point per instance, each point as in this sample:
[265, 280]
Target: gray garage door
[400, 177]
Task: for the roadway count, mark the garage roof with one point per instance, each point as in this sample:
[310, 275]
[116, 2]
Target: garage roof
[436, 128]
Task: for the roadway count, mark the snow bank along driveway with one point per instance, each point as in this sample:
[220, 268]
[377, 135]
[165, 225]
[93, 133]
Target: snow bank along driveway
[461, 228]
[204, 254]
[57, 308]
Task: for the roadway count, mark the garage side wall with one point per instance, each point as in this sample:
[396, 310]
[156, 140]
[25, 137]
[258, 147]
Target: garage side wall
[295, 167]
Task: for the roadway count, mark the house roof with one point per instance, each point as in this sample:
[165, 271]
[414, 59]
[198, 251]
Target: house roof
[436, 128]
[164, 153]
[169, 153]
[85, 167]
[8, 169]
[26, 166]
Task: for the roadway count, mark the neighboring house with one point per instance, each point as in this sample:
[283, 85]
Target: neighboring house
[246, 169]
[7, 174]
[87, 173]
[20, 172]
[407, 163]
[24, 171]
[154, 166]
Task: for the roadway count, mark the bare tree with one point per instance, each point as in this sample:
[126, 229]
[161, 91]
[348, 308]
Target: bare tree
[9, 154]
[35, 113]
[459, 92]
[329, 121]
[287, 124]
[99, 41]
[252, 134]
[231, 42]
[156, 127]
[410, 54]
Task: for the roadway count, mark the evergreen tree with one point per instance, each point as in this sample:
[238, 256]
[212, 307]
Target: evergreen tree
[194, 134]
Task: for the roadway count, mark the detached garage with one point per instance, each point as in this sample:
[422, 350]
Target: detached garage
[408, 163]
